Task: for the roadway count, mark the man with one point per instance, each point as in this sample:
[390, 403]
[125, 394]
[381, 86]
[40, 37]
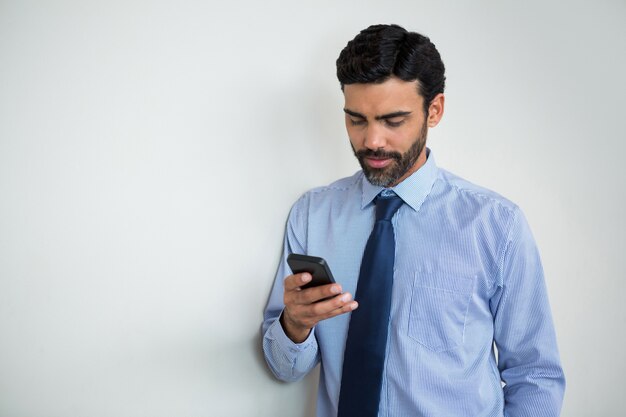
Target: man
[461, 310]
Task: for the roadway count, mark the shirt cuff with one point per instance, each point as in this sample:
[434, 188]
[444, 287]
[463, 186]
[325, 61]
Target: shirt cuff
[277, 333]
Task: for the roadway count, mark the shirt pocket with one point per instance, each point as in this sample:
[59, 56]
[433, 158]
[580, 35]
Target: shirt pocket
[439, 304]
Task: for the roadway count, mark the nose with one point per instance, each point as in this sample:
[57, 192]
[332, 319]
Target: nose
[374, 137]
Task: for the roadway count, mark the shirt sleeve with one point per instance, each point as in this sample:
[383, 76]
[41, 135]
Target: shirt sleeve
[528, 357]
[288, 361]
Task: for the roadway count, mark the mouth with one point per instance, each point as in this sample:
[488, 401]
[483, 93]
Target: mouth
[378, 163]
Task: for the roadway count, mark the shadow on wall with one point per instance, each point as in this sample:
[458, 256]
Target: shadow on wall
[310, 382]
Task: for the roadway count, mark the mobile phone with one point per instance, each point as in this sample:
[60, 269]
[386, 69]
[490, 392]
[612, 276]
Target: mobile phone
[317, 267]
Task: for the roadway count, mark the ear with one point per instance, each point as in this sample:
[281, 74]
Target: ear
[435, 110]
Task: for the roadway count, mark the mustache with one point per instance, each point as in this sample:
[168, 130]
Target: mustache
[369, 153]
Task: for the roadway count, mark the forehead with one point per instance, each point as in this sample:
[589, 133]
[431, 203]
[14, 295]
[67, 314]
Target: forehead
[392, 95]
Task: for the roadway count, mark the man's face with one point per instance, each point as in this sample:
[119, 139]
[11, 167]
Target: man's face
[387, 129]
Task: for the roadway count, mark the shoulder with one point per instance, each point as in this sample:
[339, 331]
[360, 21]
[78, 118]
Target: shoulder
[471, 193]
[475, 205]
[325, 201]
[338, 190]
[337, 187]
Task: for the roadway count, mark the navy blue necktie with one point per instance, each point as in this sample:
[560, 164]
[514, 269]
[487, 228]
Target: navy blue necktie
[364, 357]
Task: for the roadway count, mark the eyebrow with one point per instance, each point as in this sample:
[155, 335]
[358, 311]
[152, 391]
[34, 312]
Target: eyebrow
[381, 117]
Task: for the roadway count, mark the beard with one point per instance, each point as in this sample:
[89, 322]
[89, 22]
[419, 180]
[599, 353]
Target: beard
[389, 175]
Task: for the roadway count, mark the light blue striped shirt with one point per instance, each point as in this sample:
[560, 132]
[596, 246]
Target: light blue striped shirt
[467, 274]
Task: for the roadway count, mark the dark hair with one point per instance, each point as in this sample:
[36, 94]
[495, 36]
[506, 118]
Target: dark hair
[382, 51]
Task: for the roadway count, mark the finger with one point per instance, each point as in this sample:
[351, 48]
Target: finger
[313, 312]
[322, 309]
[315, 294]
[336, 306]
[346, 308]
[309, 315]
[295, 281]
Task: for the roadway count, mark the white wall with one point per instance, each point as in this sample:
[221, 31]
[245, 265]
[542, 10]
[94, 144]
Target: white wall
[150, 151]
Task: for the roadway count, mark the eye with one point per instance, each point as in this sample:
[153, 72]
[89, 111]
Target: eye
[357, 122]
[394, 122]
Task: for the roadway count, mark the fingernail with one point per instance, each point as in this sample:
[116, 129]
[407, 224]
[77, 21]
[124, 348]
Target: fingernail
[306, 277]
[345, 298]
[335, 289]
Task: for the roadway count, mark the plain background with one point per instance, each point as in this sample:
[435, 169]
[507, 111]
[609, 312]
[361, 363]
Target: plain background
[150, 152]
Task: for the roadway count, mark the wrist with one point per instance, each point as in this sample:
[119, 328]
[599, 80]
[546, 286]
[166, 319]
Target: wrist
[295, 332]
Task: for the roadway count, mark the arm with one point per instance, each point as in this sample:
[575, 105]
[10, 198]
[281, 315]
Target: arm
[289, 361]
[528, 357]
[289, 343]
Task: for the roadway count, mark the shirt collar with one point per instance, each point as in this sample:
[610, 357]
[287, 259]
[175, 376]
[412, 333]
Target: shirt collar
[413, 190]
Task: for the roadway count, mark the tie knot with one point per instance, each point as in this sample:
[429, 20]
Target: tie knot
[387, 203]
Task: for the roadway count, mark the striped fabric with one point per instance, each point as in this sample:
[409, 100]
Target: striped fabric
[467, 278]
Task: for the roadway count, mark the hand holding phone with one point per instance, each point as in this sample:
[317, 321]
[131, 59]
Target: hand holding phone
[317, 267]
[304, 309]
